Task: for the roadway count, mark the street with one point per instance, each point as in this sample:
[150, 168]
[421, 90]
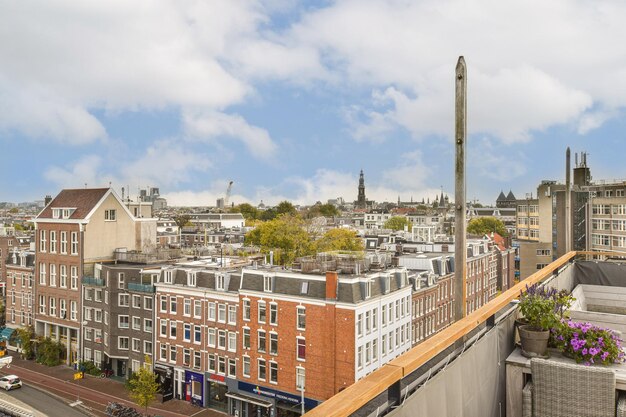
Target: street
[44, 402]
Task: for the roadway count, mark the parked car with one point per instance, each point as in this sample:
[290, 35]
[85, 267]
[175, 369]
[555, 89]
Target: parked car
[10, 382]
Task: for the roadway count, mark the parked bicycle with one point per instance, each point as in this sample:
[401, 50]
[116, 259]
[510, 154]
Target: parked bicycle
[106, 373]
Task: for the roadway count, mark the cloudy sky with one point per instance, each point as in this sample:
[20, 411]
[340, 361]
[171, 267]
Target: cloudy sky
[290, 102]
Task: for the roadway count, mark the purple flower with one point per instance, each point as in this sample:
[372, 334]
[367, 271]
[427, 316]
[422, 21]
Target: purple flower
[584, 351]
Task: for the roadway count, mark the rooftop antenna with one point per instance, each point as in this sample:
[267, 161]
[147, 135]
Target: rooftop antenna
[460, 123]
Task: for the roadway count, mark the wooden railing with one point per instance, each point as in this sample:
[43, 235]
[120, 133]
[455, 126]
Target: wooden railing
[360, 393]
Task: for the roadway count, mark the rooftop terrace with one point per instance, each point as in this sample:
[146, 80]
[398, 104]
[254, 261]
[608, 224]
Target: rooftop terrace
[461, 370]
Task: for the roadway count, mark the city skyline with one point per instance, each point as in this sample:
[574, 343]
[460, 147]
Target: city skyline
[291, 102]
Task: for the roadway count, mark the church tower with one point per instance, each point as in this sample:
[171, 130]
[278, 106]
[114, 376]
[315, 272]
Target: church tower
[361, 202]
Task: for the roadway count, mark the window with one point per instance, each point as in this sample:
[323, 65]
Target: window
[212, 362]
[232, 314]
[187, 332]
[368, 289]
[221, 313]
[211, 337]
[197, 308]
[163, 307]
[167, 277]
[172, 353]
[246, 366]
[136, 301]
[42, 304]
[122, 322]
[196, 360]
[97, 315]
[246, 310]
[53, 241]
[97, 295]
[197, 334]
[53, 306]
[74, 277]
[147, 303]
[53, 275]
[74, 243]
[88, 293]
[232, 341]
[73, 311]
[267, 284]
[262, 340]
[136, 345]
[368, 322]
[173, 329]
[273, 373]
[219, 282]
[301, 349]
[300, 378]
[262, 312]
[163, 328]
[262, 369]
[173, 302]
[191, 279]
[273, 314]
[109, 215]
[211, 311]
[246, 338]
[186, 357]
[123, 300]
[300, 318]
[147, 325]
[122, 343]
[359, 324]
[42, 241]
[64, 243]
[273, 344]
[359, 357]
[221, 339]
[187, 307]
[232, 368]
[42, 273]
[163, 353]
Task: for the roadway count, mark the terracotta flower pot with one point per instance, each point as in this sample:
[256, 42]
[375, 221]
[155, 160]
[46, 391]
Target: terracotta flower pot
[534, 342]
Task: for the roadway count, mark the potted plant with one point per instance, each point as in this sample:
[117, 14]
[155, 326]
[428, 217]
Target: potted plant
[538, 305]
[589, 344]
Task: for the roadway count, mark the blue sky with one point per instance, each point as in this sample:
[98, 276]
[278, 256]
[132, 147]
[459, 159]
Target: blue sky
[292, 100]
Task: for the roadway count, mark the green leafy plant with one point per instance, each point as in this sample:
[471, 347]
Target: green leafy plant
[89, 368]
[538, 305]
[50, 352]
[143, 386]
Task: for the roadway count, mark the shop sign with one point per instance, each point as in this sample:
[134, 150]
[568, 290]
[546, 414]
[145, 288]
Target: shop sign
[275, 394]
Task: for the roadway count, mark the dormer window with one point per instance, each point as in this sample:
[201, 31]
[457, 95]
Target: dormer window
[22, 259]
[368, 289]
[67, 213]
[56, 213]
[267, 283]
[167, 277]
[191, 279]
[220, 282]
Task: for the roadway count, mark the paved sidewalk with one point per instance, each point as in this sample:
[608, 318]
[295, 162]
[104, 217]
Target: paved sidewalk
[94, 389]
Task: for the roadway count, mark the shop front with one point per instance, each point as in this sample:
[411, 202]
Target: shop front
[194, 382]
[249, 400]
[165, 376]
[216, 390]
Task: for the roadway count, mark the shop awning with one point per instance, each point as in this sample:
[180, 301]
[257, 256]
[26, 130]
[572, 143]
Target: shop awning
[248, 399]
[6, 333]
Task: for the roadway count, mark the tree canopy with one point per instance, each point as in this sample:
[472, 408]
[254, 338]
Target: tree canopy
[326, 210]
[484, 225]
[143, 386]
[398, 223]
[285, 207]
[182, 220]
[288, 237]
[248, 211]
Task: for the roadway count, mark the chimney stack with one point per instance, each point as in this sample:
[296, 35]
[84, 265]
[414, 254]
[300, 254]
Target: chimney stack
[47, 200]
[331, 285]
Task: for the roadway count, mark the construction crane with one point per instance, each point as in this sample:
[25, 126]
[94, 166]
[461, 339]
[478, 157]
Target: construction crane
[230, 187]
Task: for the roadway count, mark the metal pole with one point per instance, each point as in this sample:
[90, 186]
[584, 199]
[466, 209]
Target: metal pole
[302, 411]
[460, 138]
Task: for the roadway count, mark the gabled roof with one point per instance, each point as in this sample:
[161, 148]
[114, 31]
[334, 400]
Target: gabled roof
[510, 196]
[83, 200]
[501, 197]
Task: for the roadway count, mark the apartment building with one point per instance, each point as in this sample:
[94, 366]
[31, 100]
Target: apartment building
[118, 316]
[198, 336]
[77, 229]
[310, 335]
[7, 242]
[20, 289]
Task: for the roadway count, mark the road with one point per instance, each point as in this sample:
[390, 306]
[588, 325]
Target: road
[44, 402]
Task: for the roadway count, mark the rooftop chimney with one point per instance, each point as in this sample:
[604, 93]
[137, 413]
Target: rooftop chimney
[47, 200]
[331, 285]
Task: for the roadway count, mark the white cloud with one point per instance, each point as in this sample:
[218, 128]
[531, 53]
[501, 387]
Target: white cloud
[84, 171]
[213, 125]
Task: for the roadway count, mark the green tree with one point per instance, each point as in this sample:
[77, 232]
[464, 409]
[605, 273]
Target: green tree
[484, 225]
[143, 386]
[398, 223]
[14, 210]
[182, 220]
[285, 235]
[326, 210]
[26, 335]
[285, 207]
[50, 352]
[248, 211]
[2, 313]
[339, 239]
[269, 214]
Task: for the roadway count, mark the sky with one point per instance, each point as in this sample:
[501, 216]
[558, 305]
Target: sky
[290, 100]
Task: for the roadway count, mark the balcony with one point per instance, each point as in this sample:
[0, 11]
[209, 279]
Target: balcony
[462, 370]
[159, 255]
[88, 280]
[148, 288]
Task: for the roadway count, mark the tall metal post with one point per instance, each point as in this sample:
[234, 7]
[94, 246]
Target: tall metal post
[460, 138]
[568, 203]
